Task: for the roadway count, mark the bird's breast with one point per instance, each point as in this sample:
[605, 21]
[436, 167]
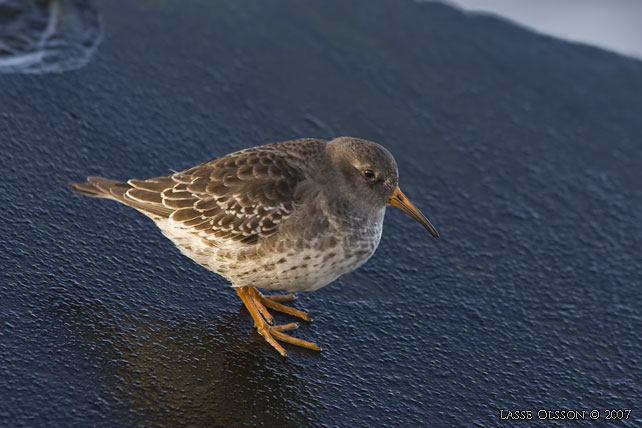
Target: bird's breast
[287, 261]
[307, 265]
[306, 268]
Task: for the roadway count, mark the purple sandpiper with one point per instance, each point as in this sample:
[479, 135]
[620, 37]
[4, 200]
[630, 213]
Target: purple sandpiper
[290, 216]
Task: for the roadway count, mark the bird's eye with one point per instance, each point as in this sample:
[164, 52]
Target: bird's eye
[369, 174]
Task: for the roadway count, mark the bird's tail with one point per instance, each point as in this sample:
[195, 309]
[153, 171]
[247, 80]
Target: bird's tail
[147, 202]
[100, 187]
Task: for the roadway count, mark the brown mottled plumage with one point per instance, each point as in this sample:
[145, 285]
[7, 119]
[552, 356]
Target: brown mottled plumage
[286, 216]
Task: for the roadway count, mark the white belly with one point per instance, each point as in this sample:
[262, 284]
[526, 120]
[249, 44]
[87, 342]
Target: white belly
[292, 269]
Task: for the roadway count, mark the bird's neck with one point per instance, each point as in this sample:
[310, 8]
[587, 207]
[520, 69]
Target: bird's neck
[356, 215]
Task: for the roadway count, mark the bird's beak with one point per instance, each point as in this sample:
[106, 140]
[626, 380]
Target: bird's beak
[399, 200]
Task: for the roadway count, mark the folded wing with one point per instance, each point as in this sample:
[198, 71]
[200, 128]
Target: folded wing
[240, 197]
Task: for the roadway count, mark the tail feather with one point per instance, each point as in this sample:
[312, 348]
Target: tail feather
[100, 187]
[86, 189]
[111, 188]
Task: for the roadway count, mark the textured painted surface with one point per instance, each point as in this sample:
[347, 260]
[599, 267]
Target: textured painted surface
[523, 150]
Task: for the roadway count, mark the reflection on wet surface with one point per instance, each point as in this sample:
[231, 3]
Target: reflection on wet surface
[171, 370]
[47, 36]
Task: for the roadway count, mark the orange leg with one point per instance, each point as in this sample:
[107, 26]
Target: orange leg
[256, 296]
[253, 301]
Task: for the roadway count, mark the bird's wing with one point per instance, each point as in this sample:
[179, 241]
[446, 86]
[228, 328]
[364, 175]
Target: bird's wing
[242, 196]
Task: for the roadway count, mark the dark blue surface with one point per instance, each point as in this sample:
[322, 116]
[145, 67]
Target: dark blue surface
[523, 150]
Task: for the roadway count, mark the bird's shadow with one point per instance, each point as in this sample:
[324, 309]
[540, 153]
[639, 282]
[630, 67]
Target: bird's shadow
[174, 369]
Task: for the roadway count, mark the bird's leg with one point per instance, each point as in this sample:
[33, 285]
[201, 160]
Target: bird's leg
[270, 302]
[250, 297]
[255, 295]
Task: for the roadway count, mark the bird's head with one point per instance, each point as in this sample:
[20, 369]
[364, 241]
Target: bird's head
[370, 173]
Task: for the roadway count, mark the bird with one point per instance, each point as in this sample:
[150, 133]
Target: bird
[289, 216]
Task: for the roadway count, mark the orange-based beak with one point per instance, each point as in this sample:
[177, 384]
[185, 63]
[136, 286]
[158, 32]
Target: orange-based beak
[399, 200]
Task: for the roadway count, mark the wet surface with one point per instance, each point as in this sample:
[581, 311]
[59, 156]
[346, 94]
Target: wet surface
[523, 150]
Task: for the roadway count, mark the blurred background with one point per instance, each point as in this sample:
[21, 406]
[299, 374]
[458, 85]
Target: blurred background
[614, 24]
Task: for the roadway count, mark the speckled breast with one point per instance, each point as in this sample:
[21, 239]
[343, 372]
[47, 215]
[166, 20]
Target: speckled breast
[287, 263]
[305, 269]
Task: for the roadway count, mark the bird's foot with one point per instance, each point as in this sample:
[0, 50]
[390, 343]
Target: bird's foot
[256, 303]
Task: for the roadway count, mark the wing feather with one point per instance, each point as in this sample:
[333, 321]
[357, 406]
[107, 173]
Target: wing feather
[241, 197]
